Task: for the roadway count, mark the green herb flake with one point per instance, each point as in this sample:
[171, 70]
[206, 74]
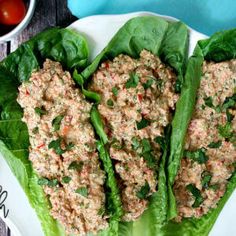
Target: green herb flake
[214, 187]
[69, 146]
[56, 145]
[206, 178]
[218, 109]
[115, 91]
[66, 179]
[229, 116]
[225, 130]
[148, 84]
[146, 145]
[75, 165]
[229, 102]
[110, 103]
[147, 153]
[209, 102]
[45, 181]
[196, 194]
[116, 144]
[126, 167]
[215, 144]
[83, 191]
[56, 123]
[161, 141]
[53, 183]
[198, 155]
[35, 130]
[40, 111]
[143, 123]
[132, 81]
[150, 159]
[135, 143]
[144, 191]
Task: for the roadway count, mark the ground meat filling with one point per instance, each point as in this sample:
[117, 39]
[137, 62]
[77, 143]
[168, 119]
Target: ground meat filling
[138, 98]
[63, 150]
[210, 155]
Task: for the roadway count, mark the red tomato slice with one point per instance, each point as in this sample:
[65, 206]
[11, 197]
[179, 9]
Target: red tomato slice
[11, 12]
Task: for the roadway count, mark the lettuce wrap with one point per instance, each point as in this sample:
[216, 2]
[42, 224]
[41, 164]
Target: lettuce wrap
[169, 41]
[64, 46]
[220, 47]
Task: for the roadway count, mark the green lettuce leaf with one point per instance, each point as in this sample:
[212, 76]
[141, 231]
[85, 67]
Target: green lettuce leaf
[61, 45]
[169, 41]
[183, 114]
[220, 47]
[114, 207]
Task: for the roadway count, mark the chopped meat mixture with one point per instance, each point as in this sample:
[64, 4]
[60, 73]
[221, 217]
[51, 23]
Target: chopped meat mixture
[210, 148]
[63, 149]
[138, 98]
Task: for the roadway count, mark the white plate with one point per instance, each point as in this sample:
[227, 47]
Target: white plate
[98, 30]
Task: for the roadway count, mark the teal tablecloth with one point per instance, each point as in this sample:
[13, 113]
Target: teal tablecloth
[206, 16]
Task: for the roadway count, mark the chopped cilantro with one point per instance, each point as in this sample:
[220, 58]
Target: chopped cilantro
[196, 194]
[146, 145]
[214, 187]
[143, 123]
[225, 130]
[198, 155]
[206, 178]
[35, 130]
[218, 109]
[150, 159]
[135, 143]
[40, 111]
[161, 141]
[215, 144]
[148, 84]
[48, 182]
[57, 122]
[76, 165]
[115, 91]
[144, 191]
[209, 102]
[83, 191]
[132, 82]
[147, 153]
[56, 145]
[229, 102]
[229, 116]
[116, 144]
[110, 103]
[66, 179]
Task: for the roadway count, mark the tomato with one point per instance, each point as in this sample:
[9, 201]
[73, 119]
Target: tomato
[12, 11]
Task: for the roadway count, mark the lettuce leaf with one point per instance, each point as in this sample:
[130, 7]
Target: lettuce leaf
[169, 41]
[114, 207]
[183, 114]
[220, 47]
[61, 45]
